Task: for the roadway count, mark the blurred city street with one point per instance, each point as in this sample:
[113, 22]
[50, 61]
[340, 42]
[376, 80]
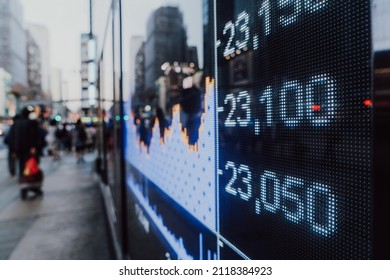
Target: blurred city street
[66, 223]
[194, 130]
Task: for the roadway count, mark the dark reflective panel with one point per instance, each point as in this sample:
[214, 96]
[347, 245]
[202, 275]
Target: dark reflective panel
[381, 105]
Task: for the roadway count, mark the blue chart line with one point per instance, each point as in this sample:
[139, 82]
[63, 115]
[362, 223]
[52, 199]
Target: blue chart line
[176, 243]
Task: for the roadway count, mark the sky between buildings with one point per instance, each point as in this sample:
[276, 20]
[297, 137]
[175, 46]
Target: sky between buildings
[67, 19]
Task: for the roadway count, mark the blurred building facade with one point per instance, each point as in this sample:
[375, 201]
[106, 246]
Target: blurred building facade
[41, 37]
[13, 55]
[88, 70]
[34, 75]
[166, 42]
[139, 78]
[8, 101]
[208, 37]
[165, 47]
[135, 45]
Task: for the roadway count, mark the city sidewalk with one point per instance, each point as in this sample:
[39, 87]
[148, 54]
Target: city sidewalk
[67, 223]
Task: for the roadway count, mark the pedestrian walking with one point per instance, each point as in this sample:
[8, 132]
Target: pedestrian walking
[26, 137]
[53, 139]
[66, 138]
[80, 139]
[91, 137]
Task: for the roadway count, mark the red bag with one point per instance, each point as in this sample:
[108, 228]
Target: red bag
[32, 173]
[31, 167]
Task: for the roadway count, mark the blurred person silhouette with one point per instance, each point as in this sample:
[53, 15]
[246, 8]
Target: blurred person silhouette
[80, 139]
[91, 135]
[192, 107]
[27, 137]
[109, 138]
[12, 157]
[53, 138]
[42, 132]
[161, 122]
[66, 138]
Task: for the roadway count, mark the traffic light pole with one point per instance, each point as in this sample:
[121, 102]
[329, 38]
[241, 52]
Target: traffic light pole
[90, 18]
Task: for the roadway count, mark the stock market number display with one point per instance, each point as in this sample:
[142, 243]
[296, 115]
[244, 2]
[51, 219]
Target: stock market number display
[293, 80]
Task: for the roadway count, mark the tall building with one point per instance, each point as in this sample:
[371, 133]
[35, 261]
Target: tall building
[166, 42]
[208, 38]
[13, 55]
[140, 70]
[7, 100]
[34, 76]
[41, 37]
[135, 45]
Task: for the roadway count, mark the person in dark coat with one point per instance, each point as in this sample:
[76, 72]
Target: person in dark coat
[26, 138]
[80, 140]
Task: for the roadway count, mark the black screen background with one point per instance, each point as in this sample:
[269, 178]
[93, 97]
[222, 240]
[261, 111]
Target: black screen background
[335, 41]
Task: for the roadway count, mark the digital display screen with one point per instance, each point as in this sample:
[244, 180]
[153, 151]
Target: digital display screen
[269, 157]
[294, 128]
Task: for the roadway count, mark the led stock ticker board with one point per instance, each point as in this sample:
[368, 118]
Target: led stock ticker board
[293, 80]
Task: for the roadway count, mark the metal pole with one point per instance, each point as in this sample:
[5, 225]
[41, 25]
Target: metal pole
[90, 18]
[61, 108]
[122, 145]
